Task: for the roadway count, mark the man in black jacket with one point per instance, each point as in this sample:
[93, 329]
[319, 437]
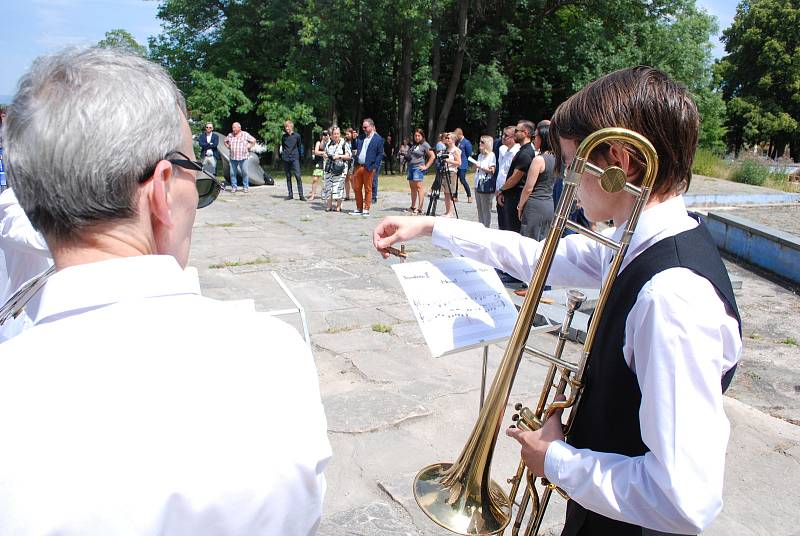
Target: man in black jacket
[290, 154]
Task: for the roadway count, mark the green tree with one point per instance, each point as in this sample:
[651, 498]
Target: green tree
[120, 38]
[762, 70]
[213, 99]
[467, 63]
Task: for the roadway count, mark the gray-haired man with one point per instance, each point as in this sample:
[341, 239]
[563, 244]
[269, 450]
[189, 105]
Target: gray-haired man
[120, 414]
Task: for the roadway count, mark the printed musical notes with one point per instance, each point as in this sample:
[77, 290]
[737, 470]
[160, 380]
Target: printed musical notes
[458, 303]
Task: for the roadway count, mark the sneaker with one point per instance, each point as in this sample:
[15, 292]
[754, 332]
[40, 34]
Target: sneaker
[302, 198]
[365, 213]
[246, 190]
[288, 198]
[356, 213]
[233, 190]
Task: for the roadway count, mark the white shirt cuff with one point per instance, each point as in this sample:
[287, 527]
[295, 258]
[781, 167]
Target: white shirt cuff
[556, 457]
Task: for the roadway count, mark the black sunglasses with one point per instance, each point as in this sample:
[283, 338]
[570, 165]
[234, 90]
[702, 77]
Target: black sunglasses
[208, 187]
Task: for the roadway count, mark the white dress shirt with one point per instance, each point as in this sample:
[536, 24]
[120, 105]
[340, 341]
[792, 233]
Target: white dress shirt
[131, 409]
[679, 341]
[362, 154]
[23, 255]
[506, 156]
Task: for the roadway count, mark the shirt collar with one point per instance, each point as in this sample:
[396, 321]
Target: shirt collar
[89, 286]
[664, 219]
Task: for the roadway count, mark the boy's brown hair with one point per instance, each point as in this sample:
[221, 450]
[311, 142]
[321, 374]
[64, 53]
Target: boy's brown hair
[642, 99]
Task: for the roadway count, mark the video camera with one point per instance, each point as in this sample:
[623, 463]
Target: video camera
[442, 155]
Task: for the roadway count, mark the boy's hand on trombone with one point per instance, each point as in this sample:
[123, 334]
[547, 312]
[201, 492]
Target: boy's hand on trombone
[535, 444]
[399, 229]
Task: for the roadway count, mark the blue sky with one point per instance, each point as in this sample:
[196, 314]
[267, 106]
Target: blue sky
[30, 28]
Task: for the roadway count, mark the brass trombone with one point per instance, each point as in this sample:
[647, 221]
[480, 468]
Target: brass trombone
[461, 496]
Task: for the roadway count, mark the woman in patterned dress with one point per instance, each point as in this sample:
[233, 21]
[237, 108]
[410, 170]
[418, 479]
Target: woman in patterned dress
[338, 156]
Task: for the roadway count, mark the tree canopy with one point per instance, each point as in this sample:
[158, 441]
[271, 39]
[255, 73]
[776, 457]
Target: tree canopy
[434, 64]
[760, 75]
[120, 38]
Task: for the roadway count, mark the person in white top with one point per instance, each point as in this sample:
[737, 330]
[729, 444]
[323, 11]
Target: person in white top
[655, 457]
[123, 411]
[508, 149]
[484, 184]
[24, 255]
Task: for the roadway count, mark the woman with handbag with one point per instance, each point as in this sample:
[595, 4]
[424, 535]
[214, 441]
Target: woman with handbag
[338, 155]
[484, 180]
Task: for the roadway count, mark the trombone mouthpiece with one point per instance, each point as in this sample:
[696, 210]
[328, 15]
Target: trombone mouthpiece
[575, 299]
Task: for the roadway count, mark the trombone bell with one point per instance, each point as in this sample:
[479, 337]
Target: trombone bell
[470, 512]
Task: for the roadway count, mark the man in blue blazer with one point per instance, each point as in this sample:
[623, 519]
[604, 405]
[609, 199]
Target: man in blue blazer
[368, 160]
[208, 141]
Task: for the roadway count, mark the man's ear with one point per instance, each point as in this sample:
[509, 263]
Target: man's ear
[158, 195]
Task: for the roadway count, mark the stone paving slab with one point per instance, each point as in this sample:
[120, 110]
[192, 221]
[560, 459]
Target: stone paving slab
[785, 218]
[370, 411]
[703, 185]
[392, 408]
[375, 519]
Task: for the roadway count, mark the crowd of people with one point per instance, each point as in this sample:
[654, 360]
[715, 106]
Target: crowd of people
[122, 415]
[347, 166]
[512, 175]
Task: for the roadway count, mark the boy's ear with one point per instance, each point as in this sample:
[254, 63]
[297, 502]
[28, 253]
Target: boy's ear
[619, 156]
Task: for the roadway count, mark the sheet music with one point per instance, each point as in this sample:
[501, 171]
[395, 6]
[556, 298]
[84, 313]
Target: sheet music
[458, 303]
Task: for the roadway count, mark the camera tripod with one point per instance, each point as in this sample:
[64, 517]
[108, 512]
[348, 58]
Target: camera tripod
[442, 177]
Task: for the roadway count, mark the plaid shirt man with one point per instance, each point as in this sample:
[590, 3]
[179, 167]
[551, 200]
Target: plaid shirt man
[240, 145]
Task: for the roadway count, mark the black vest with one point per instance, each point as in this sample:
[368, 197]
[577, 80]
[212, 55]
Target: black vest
[608, 418]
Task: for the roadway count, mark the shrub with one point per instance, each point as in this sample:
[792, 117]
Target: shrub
[710, 163]
[704, 161]
[751, 172]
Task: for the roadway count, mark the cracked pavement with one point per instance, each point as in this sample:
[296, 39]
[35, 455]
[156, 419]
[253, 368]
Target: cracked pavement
[393, 409]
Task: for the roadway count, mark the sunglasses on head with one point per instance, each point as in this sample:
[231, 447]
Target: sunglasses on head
[208, 187]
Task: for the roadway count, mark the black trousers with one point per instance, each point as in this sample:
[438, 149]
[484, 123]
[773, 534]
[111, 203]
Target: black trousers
[501, 216]
[293, 167]
[510, 202]
[582, 522]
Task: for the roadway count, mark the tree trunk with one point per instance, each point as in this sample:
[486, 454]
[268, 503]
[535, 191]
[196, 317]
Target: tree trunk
[436, 65]
[455, 78]
[404, 126]
[492, 118]
[794, 149]
[359, 75]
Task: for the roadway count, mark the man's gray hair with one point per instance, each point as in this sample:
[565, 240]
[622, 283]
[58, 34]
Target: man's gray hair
[83, 128]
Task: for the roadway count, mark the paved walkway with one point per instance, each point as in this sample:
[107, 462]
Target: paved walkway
[393, 409]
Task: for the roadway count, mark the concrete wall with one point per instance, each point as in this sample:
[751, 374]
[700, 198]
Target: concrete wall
[768, 248]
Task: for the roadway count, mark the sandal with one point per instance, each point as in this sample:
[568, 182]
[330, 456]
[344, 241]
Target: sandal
[409, 210]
